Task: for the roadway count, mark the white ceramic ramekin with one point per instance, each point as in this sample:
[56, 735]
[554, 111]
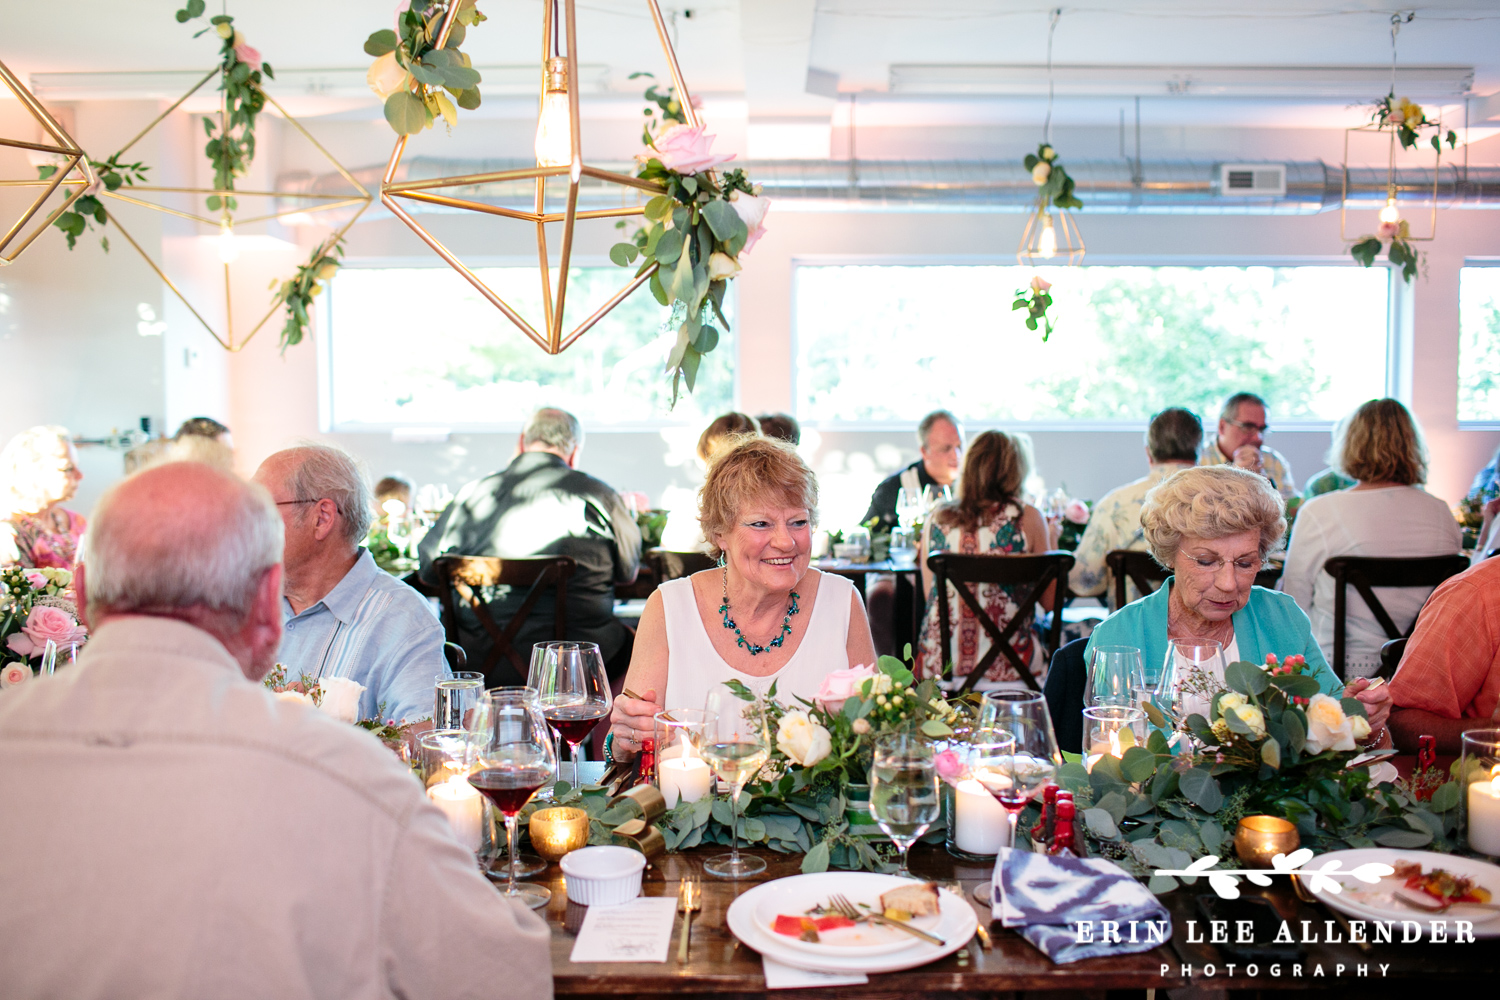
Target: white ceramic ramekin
[600, 876]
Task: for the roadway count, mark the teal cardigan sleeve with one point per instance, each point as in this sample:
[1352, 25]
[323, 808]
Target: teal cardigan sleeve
[1270, 622]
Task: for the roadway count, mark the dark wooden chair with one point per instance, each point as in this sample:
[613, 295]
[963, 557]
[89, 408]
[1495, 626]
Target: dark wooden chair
[1364, 574]
[1036, 572]
[670, 565]
[1064, 690]
[466, 576]
[1137, 567]
[456, 657]
[1269, 576]
[1390, 658]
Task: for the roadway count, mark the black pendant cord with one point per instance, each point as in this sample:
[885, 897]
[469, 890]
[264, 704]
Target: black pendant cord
[740, 640]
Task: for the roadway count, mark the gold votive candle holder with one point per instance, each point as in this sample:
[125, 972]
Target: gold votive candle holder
[558, 831]
[1258, 839]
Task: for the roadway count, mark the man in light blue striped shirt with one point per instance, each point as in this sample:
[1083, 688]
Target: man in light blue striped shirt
[343, 615]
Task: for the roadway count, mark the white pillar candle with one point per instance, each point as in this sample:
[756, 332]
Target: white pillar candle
[683, 774]
[1484, 816]
[461, 803]
[980, 825]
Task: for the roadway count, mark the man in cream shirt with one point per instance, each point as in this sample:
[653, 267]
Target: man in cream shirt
[175, 830]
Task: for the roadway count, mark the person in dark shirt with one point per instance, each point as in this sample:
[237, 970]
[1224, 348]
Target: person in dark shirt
[940, 438]
[541, 505]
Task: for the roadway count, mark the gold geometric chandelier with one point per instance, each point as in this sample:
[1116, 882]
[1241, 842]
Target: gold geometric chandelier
[1050, 231]
[559, 156]
[284, 203]
[76, 171]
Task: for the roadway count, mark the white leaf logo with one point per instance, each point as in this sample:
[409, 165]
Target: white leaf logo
[1372, 872]
[1323, 882]
[1293, 861]
[1203, 864]
[1227, 886]
[1257, 878]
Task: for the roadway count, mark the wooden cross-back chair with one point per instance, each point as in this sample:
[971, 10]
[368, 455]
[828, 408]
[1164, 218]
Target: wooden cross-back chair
[1364, 574]
[1037, 572]
[467, 575]
[1141, 569]
[668, 564]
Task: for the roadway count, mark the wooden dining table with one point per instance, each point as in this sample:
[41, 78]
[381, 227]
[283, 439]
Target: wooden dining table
[720, 966]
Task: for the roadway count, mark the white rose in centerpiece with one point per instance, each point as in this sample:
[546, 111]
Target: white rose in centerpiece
[1231, 700]
[1252, 717]
[340, 698]
[1041, 172]
[1359, 727]
[1328, 728]
[294, 696]
[804, 741]
[14, 674]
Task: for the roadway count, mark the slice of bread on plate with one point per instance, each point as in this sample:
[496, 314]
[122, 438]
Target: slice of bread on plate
[919, 899]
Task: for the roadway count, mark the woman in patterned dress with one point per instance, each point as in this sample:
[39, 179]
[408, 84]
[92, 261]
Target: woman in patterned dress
[38, 474]
[989, 518]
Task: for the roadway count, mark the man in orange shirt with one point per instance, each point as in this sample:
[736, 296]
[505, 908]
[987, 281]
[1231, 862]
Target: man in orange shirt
[1449, 680]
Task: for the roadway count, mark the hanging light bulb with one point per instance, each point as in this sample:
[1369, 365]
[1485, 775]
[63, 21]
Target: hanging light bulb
[229, 250]
[1046, 243]
[554, 127]
[1390, 213]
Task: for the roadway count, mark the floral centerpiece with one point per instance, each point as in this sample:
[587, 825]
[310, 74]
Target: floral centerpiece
[1075, 518]
[1271, 743]
[809, 798]
[338, 697]
[694, 233]
[36, 606]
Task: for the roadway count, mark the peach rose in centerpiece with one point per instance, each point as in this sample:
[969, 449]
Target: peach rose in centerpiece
[42, 624]
[14, 674]
[1328, 728]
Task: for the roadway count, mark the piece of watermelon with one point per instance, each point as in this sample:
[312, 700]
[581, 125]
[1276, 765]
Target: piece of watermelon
[791, 926]
[832, 923]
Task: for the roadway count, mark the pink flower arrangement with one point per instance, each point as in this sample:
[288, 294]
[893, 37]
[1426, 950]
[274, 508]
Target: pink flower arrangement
[1077, 511]
[685, 149]
[37, 579]
[950, 767]
[42, 624]
[839, 685]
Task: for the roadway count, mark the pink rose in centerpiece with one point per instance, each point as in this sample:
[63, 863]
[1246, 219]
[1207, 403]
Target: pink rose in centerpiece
[839, 685]
[949, 766]
[685, 149]
[752, 211]
[1077, 511]
[37, 578]
[14, 674]
[42, 624]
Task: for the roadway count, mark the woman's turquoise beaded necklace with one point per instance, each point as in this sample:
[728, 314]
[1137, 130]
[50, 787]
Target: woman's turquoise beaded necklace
[740, 640]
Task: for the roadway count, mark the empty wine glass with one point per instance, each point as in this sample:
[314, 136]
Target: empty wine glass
[1112, 676]
[934, 495]
[513, 758]
[1192, 670]
[572, 688]
[903, 791]
[1017, 777]
[909, 507]
[735, 743]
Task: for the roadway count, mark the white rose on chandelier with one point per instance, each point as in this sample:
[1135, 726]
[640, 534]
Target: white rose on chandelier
[804, 741]
[721, 265]
[1041, 172]
[386, 76]
[752, 210]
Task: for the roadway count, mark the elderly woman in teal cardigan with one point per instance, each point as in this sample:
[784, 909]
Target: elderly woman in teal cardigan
[1212, 526]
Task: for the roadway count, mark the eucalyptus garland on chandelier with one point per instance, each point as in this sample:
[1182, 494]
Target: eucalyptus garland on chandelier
[414, 76]
[695, 232]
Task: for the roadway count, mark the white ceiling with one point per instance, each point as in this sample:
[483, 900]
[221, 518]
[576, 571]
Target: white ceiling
[756, 55]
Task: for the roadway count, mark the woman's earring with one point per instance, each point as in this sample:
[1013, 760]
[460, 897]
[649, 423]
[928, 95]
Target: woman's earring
[722, 561]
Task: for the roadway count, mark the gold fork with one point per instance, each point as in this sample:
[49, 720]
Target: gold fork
[1304, 894]
[846, 908]
[689, 898]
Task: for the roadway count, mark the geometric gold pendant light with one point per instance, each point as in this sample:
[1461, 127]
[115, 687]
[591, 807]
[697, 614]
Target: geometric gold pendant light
[283, 203]
[75, 172]
[559, 157]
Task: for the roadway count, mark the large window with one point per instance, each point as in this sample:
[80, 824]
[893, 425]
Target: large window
[419, 346]
[1479, 343]
[890, 343]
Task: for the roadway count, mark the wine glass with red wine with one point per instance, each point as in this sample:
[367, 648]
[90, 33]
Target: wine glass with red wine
[514, 758]
[1015, 770]
[573, 689]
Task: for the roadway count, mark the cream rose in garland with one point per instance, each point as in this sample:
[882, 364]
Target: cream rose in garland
[804, 741]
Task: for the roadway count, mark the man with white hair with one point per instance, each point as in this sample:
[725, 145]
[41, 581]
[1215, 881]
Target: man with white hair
[541, 505]
[253, 847]
[345, 616]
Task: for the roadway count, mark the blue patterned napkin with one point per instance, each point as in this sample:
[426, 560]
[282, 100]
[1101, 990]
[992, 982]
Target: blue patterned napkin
[1076, 908]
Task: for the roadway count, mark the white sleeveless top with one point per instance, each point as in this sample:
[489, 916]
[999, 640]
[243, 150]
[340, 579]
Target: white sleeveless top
[694, 666]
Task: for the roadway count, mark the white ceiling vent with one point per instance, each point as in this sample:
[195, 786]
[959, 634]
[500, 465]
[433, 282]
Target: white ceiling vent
[1252, 180]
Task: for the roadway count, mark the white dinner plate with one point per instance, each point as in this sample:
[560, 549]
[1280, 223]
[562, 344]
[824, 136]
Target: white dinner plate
[795, 896]
[955, 926]
[1376, 902]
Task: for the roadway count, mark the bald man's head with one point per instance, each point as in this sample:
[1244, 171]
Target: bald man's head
[191, 542]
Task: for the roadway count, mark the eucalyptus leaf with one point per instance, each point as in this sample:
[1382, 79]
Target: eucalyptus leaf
[406, 112]
[816, 860]
[1246, 678]
[1101, 824]
[1389, 836]
[1138, 764]
[722, 219]
[381, 42]
[1445, 797]
[624, 254]
[1270, 754]
[690, 361]
[469, 99]
[1201, 789]
[668, 247]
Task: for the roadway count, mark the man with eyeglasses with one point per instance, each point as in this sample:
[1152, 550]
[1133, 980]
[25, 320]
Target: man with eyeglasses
[1241, 441]
[343, 616]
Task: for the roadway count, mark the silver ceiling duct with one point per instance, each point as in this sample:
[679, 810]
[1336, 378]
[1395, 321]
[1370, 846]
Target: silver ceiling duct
[1165, 187]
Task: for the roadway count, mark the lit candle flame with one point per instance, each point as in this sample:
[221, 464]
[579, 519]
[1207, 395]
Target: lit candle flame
[1114, 743]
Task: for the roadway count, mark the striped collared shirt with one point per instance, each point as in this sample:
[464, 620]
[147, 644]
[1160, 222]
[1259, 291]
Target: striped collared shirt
[372, 629]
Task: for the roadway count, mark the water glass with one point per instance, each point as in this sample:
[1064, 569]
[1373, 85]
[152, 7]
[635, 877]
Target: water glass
[455, 697]
[903, 791]
[1113, 674]
[1192, 670]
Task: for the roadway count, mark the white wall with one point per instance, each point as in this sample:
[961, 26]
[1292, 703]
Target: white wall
[68, 330]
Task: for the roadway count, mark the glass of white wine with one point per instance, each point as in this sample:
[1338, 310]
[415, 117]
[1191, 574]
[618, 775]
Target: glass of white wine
[903, 791]
[735, 743]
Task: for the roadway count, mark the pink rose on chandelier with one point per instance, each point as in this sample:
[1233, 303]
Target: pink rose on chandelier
[685, 149]
[244, 53]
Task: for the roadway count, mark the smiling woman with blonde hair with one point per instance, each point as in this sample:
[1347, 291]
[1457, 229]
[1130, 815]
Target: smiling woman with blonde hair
[763, 615]
[38, 474]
